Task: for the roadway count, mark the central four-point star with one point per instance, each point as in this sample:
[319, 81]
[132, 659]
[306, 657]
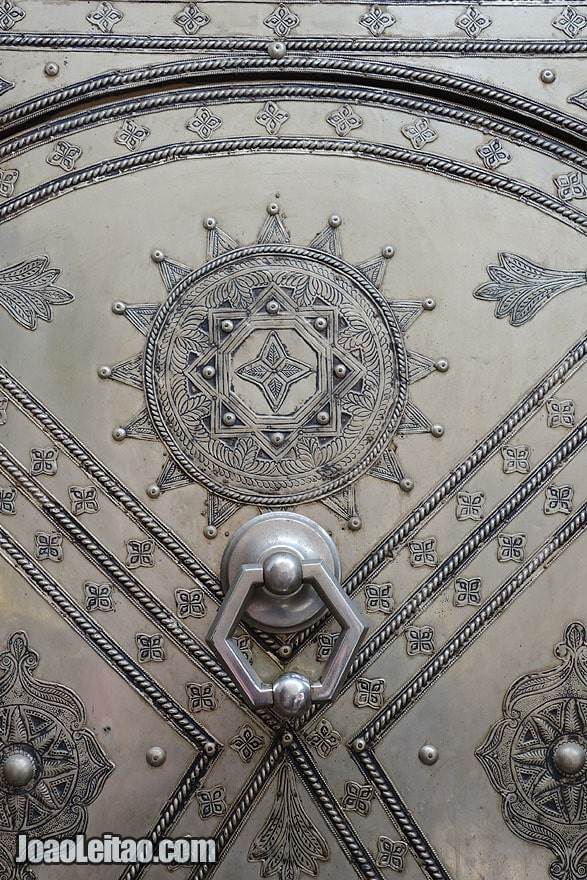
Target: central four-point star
[274, 371]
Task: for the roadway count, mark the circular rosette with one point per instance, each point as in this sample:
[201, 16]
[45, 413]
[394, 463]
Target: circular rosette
[275, 374]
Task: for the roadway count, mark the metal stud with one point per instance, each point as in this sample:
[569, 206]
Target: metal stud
[429, 303]
[547, 76]
[208, 372]
[154, 491]
[157, 255]
[323, 417]
[272, 307]
[354, 523]
[51, 68]
[428, 754]
[227, 326]
[334, 221]
[441, 365]
[209, 749]
[277, 438]
[437, 430]
[287, 739]
[406, 485]
[210, 223]
[282, 573]
[104, 372]
[285, 652]
[340, 371]
[118, 307]
[156, 756]
[18, 769]
[321, 323]
[210, 532]
[387, 252]
[277, 49]
[229, 419]
[359, 745]
[119, 434]
[273, 208]
[569, 758]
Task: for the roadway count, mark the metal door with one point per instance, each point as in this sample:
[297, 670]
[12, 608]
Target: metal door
[311, 258]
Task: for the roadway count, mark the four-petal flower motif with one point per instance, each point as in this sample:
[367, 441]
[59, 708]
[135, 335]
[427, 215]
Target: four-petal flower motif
[244, 645]
[131, 135]
[204, 123]
[324, 738]
[493, 154]
[423, 553]
[3, 409]
[272, 117]
[510, 547]
[49, 546]
[344, 120]
[470, 505]
[377, 21]
[98, 596]
[570, 186]
[201, 696]
[64, 155]
[325, 644]
[570, 22]
[472, 22]
[8, 178]
[7, 501]
[10, 14]
[84, 499]
[419, 133]
[151, 647]
[140, 554]
[44, 462]
[369, 693]
[282, 21]
[391, 853]
[190, 603]
[419, 640]
[191, 19]
[246, 742]
[467, 591]
[516, 459]
[558, 499]
[357, 798]
[211, 802]
[560, 413]
[105, 16]
[379, 597]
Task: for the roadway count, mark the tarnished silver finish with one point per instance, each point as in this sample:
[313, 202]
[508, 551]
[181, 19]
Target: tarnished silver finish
[428, 754]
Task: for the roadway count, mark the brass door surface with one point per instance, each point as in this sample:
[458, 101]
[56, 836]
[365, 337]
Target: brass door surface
[324, 258]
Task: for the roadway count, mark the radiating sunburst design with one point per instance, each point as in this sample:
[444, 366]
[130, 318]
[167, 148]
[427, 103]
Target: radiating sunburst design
[275, 374]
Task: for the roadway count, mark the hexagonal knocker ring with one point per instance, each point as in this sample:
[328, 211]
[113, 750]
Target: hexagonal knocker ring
[281, 572]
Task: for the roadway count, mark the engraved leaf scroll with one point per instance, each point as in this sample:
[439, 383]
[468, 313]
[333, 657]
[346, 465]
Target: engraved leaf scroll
[521, 288]
[27, 291]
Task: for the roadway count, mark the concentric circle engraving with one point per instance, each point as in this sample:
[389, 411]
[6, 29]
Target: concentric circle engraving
[313, 356]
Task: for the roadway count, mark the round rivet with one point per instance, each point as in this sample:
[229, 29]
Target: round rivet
[208, 372]
[154, 491]
[210, 532]
[334, 221]
[227, 326]
[18, 769]
[273, 208]
[272, 307]
[340, 371]
[287, 739]
[209, 748]
[388, 251]
[276, 49]
[441, 365]
[437, 430]
[359, 745]
[277, 438]
[569, 758]
[156, 756]
[354, 523]
[292, 694]
[104, 372]
[119, 434]
[119, 308]
[323, 418]
[547, 76]
[229, 419]
[406, 485]
[321, 323]
[210, 223]
[157, 255]
[429, 303]
[428, 754]
[282, 574]
[285, 652]
[51, 68]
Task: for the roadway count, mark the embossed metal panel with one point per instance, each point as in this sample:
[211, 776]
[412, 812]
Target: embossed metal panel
[314, 257]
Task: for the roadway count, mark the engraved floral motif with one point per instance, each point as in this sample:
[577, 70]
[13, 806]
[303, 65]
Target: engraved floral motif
[273, 370]
[10, 14]
[493, 154]
[204, 123]
[49, 546]
[516, 459]
[369, 693]
[376, 20]
[379, 597]
[560, 413]
[282, 21]
[140, 554]
[201, 696]
[150, 647]
[8, 178]
[467, 591]
[521, 288]
[27, 291]
[190, 603]
[570, 186]
[191, 19]
[7, 501]
[211, 801]
[357, 798]
[423, 553]
[64, 155]
[84, 499]
[3, 409]
[325, 644]
[98, 596]
[324, 738]
[344, 120]
[534, 756]
[470, 505]
[419, 640]
[246, 742]
[272, 117]
[510, 547]
[558, 499]
[244, 644]
[570, 22]
[288, 844]
[105, 16]
[44, 461]
[419, 133]
[45, 723]
[131, 135]
[391, 854]
[473, 21]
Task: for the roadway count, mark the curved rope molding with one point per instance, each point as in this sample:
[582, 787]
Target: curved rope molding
[114, 168]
